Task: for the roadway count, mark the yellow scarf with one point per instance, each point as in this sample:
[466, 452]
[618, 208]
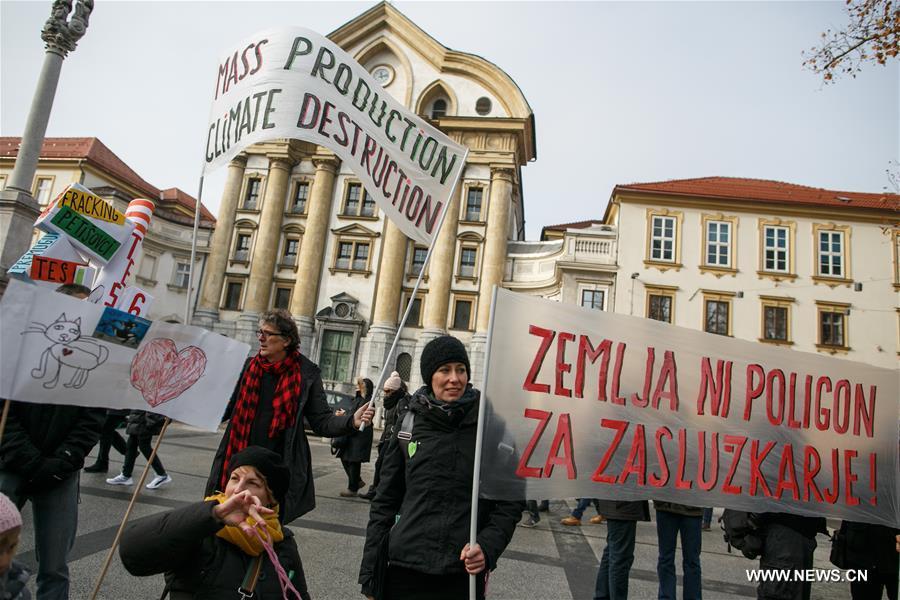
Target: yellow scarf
[250, 544]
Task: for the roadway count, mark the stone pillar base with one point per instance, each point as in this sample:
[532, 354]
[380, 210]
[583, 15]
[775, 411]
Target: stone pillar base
[477, 357]
[380, 338]
[205, 317]
[306, 327]
[245, 329]
[18, 211]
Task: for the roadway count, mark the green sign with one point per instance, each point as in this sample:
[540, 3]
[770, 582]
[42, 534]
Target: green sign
[85, 232]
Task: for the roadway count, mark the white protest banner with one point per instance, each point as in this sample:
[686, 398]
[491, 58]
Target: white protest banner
[604, 405]
[291, 82]
[48, 354]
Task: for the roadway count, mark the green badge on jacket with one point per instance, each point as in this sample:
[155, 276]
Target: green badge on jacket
[411, 448]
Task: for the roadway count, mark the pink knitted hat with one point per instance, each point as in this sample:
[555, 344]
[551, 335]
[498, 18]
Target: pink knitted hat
[393, 382]
[9, 515]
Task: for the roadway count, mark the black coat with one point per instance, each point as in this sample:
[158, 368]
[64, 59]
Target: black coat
[359, 443]
[432, 493]
[625, 510]
[301, 494]
[143, 424]
[182, 543]
[871, 547]
[393, 403]
[36, 432]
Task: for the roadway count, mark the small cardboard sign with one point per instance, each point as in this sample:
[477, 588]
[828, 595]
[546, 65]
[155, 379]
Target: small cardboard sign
[121, 328]
[93, 226]
[134, 300]
[86, 235]
[51, 245]
[58, 271]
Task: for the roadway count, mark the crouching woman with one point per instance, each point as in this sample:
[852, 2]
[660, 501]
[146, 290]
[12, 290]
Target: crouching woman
[210, 550]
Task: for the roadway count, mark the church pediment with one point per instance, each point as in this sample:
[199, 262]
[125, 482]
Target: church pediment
[356, 229]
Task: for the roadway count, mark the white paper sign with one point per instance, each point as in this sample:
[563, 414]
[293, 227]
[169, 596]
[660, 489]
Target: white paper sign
[47, 355]
[601, 405]
[291, 82]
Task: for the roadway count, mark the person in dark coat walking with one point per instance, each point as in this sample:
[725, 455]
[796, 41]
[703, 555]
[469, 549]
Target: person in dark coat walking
[618, 555]
[395, 398]
[277, 388]
[41, 457]
[208, 550]
[419, 520]
[789, 543]
[109, 438]
[358, 446]
[871, 547]
[141, 428]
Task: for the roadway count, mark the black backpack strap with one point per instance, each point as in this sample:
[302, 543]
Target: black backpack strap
[406, 426]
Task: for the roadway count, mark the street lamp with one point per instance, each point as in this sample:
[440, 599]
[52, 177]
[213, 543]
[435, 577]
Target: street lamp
[18, 209]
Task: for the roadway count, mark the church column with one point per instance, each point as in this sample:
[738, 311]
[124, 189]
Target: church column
[312, 249]
[262, 265]
[388, 293]
[208, 311]
[493, 260]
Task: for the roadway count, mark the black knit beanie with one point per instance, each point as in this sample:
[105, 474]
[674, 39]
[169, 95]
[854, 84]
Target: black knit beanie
[440, 351]
[270, 464]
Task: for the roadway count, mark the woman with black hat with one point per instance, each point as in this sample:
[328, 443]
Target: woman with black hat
[425, 486]
[209, 550]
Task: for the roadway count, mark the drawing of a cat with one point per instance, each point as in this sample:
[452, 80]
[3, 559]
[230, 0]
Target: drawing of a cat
[69, 350]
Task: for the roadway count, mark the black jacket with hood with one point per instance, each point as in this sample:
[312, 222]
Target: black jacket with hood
[427, 480]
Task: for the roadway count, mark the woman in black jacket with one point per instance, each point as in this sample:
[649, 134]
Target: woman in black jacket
[208, 550]
[358, 446]
[426, 485]
[141, 426]
[278, 387]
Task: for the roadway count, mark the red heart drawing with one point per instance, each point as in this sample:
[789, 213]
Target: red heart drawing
[67, 351]
[161, 373]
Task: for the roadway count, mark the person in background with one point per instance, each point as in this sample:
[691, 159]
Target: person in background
[395, 399]
[209, 550]
[575, 517]
[869, 547]
[789, 543]
[419, 520]
[277, 388]
[358, 448]
[41, 457]
[618, 555]
[141, 428]
[707, 519]
[109, 438]
[673, 520]
[534, 512]
[13, 575]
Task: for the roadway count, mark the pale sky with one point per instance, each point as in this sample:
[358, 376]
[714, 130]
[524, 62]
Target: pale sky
[622, 92]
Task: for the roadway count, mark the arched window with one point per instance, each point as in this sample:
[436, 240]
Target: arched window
[404, 366]
[439, 108]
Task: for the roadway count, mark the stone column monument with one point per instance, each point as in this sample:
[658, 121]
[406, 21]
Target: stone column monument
[18, 209]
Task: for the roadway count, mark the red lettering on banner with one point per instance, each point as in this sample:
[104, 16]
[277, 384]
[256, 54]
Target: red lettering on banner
[663, 478]
[137, 303]
[773, 403]
[811, 466]
[823, 415]
[702, 482]
[831, 495]
[113, 296]
[841, 406]
[561, 365]
[637, 458]
[667, 385]
[864, 413]
[586, 350]
[562, 439]
[620, 427]
[617, 372]
[787, 475]
[680, 482]
[756, 476]
[735, 445]
[849, 478]
[873, 472]
[523, 470]
[719, 390]
[753, 391]
[648, 378]
[530, 384]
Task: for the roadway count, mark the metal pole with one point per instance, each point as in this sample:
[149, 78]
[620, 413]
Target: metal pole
[187, 302]
[476, 469]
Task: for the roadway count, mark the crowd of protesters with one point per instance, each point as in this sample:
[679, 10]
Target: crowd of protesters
[235, 543]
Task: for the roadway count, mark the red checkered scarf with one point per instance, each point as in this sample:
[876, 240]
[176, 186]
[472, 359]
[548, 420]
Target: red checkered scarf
[284, 404]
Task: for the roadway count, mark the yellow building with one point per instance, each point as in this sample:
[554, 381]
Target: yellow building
[296, 229]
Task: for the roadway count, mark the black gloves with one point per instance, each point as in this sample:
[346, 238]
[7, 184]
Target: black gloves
[49, 473]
